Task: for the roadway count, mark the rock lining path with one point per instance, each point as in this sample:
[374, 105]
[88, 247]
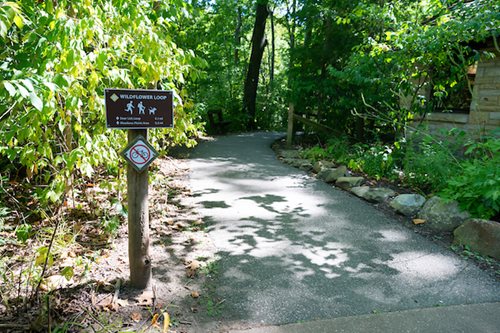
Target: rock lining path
[295, 249]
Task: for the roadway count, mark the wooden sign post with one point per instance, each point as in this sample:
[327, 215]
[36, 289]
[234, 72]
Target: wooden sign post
[138, 110]
[138, 222]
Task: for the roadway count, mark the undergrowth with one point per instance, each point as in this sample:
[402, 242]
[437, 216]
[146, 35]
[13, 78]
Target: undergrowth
[451, 165]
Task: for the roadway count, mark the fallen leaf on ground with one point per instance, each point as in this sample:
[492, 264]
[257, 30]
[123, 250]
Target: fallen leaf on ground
[194, 265]
[195, 294]
[179, 226]
[418, 221]
[154, 321]
[146, 298]
[111, 306]
[166, 322]
[122, 302]
[136, 316]
[190, 273]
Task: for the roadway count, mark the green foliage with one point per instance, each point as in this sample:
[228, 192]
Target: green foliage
[339, 149]
[315, 153]
[23, 232]
[55, 63]
[377, 161]
[111, 224]
[355, 62]
[477, 186]
[43, 255]
[68, 272]
[429, 165]
[428, 162]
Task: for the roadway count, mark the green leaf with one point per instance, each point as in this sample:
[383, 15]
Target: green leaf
[68, 272]
[23, 232]
[61, 81]
[27, 83]
[18, 20]
[10, 88]
[36, 102]
[101, 58]
[49, 7]
[41, 257]
[22, 90]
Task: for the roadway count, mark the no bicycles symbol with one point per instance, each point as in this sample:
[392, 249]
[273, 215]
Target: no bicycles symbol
[139, 154]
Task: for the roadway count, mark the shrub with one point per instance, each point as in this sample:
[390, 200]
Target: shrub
[427, 163]
[378, 161]
[477, 186]
[315, 153]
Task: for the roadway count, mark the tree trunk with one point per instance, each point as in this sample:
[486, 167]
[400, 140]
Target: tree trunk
[138, 223]
[291, 25]
[252, 80]
[237, 36]
[273, 49]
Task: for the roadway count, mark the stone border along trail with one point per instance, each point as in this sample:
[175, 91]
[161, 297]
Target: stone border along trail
[294, 249]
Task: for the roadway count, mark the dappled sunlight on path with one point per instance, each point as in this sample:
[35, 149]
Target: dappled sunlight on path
[292, 248]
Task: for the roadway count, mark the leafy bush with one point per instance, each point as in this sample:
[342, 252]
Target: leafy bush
[52, 125]
[339, 149]
[477, 186]
[378, 161]
[427, 164]
[315, 154]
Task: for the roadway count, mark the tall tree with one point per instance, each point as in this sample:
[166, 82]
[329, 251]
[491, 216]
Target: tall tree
[259, 43]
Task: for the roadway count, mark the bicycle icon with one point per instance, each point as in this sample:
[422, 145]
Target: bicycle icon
[140, 154]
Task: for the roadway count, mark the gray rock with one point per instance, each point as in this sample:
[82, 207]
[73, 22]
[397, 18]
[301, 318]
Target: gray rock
[480, 236]
[290, 153]
[442, 215]
[306, 165]
[373, 194]
[331, 175]
[321, 165]
[299, 163]
[407, 204]
[348, 182]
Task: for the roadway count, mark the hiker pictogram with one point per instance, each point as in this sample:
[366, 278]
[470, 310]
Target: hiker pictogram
[141, 107]
[130, 107]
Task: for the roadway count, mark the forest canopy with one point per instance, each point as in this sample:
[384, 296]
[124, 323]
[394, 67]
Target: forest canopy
[345, 64]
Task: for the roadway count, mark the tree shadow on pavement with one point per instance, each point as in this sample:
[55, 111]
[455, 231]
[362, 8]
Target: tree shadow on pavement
[293, 249]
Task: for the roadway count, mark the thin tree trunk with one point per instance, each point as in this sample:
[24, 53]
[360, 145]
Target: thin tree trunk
[273, 49]
[252, 80]
[290, 25]
[237, 36]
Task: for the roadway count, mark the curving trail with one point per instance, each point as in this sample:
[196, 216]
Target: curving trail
[294, 249]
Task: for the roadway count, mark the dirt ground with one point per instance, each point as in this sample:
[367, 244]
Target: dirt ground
[99, 300]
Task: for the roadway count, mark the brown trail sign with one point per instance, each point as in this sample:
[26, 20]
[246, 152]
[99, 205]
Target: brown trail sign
[138, 110]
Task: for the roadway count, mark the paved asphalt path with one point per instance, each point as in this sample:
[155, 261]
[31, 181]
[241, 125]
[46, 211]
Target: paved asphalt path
[294, 249]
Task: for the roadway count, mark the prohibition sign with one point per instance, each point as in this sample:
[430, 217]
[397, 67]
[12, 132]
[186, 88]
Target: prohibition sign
[139, 154]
